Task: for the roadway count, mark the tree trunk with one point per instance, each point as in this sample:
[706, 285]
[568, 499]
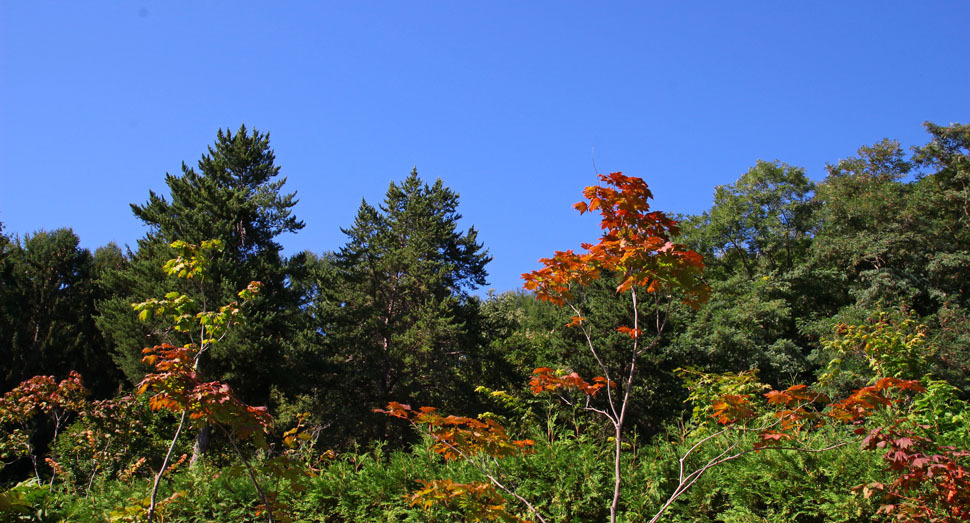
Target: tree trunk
[201, 444]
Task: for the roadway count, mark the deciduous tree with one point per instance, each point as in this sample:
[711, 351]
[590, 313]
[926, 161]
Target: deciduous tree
[177, 384]
[755, 240]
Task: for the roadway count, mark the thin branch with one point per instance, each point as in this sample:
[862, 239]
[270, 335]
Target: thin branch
[587, 407]
[598, 411]
[97, 467]
[694, 447]
[161, 471]
[685, 482]
[249, 469]
[33, 460]
[603, 367]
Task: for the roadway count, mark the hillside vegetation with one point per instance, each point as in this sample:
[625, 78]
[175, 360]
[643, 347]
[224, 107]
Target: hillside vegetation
[800, 352]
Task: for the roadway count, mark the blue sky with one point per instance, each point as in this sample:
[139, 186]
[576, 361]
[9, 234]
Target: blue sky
[510, 103]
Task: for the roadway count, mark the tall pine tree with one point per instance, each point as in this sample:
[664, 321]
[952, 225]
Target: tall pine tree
[235, 196]
[401, 322]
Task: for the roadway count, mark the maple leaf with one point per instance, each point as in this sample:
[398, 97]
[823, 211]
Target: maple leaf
[576, 321]
[631, 332]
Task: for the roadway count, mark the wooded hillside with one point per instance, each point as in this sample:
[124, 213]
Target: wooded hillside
[798, 352]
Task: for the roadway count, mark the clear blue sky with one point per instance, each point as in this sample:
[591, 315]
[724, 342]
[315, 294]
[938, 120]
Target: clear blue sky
[507, 102]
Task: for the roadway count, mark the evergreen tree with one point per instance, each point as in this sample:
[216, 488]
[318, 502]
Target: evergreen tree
[47, 298]
[402, 322]
[235, 196]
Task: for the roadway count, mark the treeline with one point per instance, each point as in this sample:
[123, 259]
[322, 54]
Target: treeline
[391, 314]
[792, 267]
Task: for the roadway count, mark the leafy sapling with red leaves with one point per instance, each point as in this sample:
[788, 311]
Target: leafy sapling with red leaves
[932, 481]
[926, 450]
[176, 383]
[929, 480]
[785, 420]
[636, 247]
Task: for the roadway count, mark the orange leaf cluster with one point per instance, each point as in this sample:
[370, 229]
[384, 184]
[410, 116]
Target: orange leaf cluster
[178, 387]
[575, 321]
[55, 466]
[793, 408]
[636, 245]
[479, 500]
[732, 408]
[629, 331]
[545, 379]
[867, 400]
[456, 436]
[796, 397]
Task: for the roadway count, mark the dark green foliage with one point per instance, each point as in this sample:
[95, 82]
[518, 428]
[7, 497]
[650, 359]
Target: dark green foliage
[525, 332]
[234, 196]
[761, 224]
[747, 324]
[370, 486]
[786, 259]
[312, 373]
[943, 199]
[947, 206]
[47, 297]
[952, 340]
[398, 317]
[898, 245]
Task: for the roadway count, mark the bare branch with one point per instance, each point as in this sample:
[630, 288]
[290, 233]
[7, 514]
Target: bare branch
[685, 482]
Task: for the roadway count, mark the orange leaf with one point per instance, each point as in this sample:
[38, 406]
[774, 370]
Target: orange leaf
[633, 333]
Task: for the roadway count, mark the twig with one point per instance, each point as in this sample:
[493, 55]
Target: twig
[249, 469]
[161, 471]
